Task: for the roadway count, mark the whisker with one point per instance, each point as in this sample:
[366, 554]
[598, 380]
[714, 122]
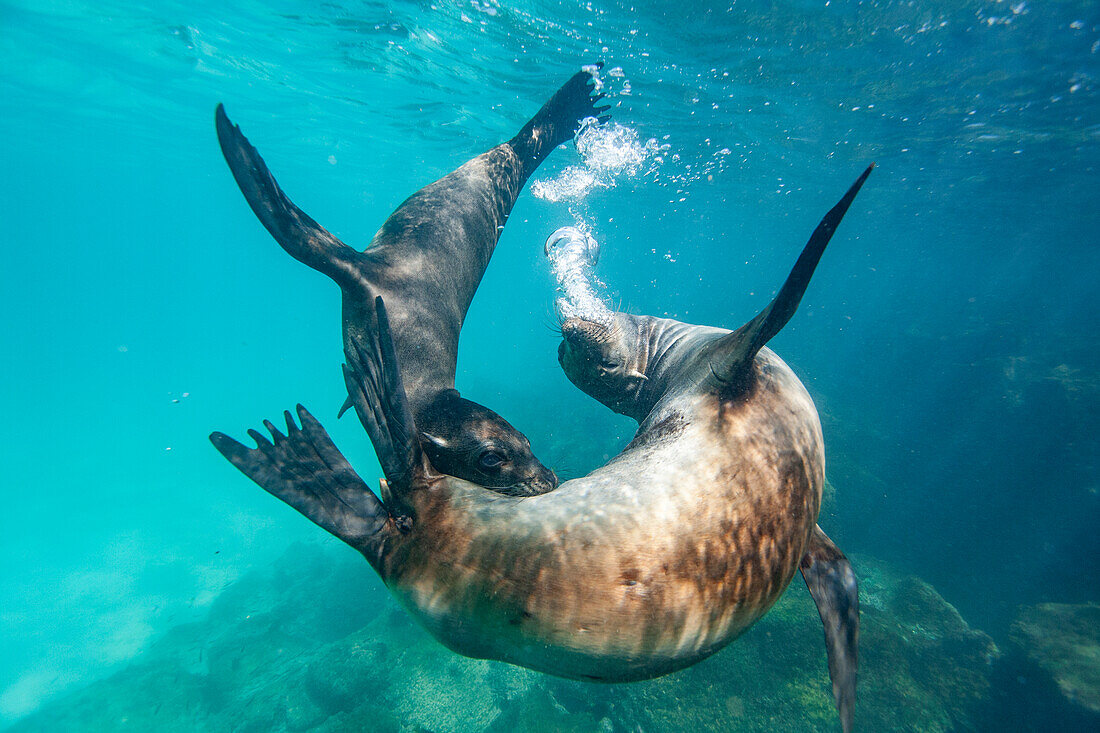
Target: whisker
[619, 308]
[553, 317]
[554, 329]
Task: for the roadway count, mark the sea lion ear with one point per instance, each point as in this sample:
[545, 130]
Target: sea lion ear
[734, 354]
[435, 440]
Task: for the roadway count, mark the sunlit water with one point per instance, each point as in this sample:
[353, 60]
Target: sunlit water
[948, 337]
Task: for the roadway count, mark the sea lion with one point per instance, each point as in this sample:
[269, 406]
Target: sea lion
[645, 566]
[427, 261]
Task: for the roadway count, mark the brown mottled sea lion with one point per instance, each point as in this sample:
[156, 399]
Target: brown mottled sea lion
[427, 261]
[645, 566]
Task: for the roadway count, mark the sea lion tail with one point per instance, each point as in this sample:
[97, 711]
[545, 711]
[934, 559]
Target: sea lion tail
[377, 393]
[559, 118]
[305, 469]
[829, 576]
[735, 352]
[304, 239]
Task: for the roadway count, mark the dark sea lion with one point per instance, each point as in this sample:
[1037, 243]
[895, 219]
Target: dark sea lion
[645, 566]
[427, 261]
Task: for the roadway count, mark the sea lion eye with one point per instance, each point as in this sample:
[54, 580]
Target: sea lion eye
[490, 459]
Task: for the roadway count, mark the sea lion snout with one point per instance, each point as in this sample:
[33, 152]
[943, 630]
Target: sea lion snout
[578, 331]
[581, 344]
[544, 481]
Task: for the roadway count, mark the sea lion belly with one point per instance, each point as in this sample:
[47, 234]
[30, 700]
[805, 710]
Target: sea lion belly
[645, 566]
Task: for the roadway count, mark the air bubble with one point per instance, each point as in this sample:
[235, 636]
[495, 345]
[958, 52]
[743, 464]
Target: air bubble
[610, 152]
[572, 253]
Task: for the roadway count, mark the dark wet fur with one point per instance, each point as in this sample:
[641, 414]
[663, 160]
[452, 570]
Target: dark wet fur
[454, 221]
[832, 583]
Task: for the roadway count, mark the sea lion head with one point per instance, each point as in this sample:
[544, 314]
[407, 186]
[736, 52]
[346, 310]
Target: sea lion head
[606, 361]
[464, 439]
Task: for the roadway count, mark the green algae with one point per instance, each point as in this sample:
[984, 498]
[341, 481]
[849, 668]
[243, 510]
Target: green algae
[1064, 641]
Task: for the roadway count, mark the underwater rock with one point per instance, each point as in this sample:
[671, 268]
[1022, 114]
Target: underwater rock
[1063, 640]
[922, 667]
[316, 644]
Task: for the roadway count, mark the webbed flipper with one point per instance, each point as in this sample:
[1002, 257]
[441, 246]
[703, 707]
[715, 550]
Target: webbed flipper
[559, 119]
[373, 379]
[829, 576]
[307, 471]
[303, 238]
[734, 354]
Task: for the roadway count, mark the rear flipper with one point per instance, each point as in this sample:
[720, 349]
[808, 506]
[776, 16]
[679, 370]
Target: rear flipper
[559, 119]
[304, 239]
[306, 470]
[734, 354]
[375, 389]
[832, 584]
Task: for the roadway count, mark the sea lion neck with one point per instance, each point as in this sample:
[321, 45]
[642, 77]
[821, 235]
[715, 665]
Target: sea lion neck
[427, 350]
[631, 363]
[669, 351]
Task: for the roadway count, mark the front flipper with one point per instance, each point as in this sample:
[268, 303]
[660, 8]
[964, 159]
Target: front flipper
[829, 576]
[304, 239]
[307, 471]
[375, 389]
[559, 119]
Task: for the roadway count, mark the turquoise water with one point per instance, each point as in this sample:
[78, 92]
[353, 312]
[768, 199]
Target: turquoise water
[948, 337]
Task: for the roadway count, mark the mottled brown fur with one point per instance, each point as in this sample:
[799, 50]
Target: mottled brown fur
[647, 565]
